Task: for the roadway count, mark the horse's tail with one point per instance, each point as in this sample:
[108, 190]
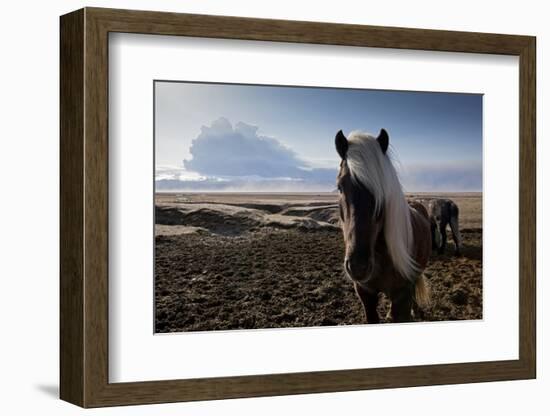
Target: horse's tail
[422, 292]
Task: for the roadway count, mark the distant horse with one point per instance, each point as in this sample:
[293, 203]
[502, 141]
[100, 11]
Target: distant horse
[444, 212]
[387, 240]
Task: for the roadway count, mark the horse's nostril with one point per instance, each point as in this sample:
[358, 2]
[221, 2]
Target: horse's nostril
[357, 270]
[347, 266]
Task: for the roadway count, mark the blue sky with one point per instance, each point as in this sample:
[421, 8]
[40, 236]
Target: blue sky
[227, 137]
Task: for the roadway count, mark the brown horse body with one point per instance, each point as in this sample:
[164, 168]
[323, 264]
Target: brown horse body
[370, 262]
[402, 292]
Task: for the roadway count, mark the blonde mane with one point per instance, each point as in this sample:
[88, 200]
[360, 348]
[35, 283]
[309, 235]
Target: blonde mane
[374, 170]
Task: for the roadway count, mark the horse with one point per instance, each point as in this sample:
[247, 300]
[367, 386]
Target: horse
[387, 239]
[444, 212]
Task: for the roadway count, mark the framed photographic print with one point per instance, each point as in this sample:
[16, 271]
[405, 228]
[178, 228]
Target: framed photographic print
[256, 207]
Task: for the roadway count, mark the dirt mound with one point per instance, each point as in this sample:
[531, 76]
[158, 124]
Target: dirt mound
[216, 218]
[324, 213]
[301, 223]
[270, 208]
[231, 220]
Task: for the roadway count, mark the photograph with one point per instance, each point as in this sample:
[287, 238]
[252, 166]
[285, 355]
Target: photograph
[290, 206]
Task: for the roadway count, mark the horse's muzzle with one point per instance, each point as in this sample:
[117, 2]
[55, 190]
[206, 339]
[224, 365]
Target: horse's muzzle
[359, 271]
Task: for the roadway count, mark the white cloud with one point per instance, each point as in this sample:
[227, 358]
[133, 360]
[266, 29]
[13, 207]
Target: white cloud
[244, 158]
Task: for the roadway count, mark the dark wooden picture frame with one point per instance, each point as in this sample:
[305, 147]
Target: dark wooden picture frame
[84, 207]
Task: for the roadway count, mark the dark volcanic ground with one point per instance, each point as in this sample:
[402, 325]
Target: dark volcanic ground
[285, 276]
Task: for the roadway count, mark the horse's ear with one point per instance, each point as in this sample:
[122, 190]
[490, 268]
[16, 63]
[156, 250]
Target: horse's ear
[341, 144]
[383, 140]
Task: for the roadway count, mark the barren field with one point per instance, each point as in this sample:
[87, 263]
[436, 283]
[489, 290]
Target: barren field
[241, 261]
